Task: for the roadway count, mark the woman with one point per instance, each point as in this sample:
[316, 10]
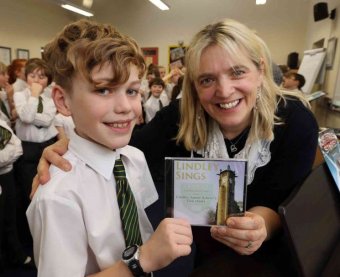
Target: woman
[231, 108]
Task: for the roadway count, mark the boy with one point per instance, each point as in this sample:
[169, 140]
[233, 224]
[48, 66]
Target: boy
[10, 246]
[157, 100]
[34, 126]
[77, 221]
[293, 81]
[6, 95]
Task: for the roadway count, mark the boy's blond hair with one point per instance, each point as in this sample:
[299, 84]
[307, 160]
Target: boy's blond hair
[84, 44]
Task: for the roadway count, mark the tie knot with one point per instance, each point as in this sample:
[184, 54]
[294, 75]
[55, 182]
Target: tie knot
[118, 169]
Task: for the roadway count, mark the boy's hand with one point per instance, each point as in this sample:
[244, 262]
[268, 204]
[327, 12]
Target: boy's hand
[36, 89]
[9, 90]
[51, 155]
[172, 239]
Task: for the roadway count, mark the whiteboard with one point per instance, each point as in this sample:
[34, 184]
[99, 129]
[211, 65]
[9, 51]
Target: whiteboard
[336, 97]
[310, 67]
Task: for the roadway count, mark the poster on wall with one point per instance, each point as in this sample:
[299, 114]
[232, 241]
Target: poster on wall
[176, 56]
[150, 55]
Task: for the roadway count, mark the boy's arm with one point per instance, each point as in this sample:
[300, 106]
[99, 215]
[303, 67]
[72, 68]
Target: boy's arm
[59, 236]
[26, 106]
[171, 240]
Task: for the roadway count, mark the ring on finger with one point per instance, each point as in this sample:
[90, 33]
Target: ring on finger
[249, 245]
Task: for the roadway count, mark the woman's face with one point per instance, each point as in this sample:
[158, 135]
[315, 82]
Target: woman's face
[227, 89]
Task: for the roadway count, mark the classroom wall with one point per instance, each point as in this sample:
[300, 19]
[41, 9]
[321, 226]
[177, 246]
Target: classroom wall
[325, 29]
[29, 24]
[286, 26]
[282, 24]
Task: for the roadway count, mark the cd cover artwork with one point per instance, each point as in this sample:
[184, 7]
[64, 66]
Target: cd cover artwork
[205, 191]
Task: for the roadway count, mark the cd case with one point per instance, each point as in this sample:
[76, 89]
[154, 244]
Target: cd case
[330, 148]
[205, 191]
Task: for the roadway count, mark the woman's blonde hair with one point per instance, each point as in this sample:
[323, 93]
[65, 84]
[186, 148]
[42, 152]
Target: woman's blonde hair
[242, 43]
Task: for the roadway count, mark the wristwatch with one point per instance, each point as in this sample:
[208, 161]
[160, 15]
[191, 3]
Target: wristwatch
[130, 257]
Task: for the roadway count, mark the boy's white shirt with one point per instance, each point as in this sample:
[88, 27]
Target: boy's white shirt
[75, 220]
[65, 122]
[19, 85]
[11, 152]
[26, 107]
[151, 106]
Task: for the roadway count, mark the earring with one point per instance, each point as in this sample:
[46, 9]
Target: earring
[258, 96]
[199, 113]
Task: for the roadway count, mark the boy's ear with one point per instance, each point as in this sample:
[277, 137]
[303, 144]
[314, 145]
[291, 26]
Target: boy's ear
[61, 100]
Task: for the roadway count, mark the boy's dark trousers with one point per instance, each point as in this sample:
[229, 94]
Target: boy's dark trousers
[11, 251]
[25, 169]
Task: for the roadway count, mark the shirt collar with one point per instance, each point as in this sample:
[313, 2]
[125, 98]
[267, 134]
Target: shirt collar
[98, 157]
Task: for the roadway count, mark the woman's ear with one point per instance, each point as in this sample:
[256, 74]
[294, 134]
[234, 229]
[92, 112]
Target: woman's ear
[61, 100]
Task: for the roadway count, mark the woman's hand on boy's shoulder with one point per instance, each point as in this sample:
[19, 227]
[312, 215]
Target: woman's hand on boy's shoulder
[51, 155]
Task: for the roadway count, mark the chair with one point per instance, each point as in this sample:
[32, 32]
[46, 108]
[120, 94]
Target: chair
[311, 221]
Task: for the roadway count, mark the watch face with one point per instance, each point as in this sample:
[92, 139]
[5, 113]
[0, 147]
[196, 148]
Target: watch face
[129, 252]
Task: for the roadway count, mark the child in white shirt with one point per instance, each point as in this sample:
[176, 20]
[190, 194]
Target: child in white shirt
[10, 246]
[157, 100]
[34, 126]
[75, 219]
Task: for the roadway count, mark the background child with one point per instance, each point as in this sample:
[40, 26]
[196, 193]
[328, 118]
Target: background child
[157, 100]
[11, 251]
[77, 220]
[293, 81]
[16, 73]
[35, 129]
[6, 96]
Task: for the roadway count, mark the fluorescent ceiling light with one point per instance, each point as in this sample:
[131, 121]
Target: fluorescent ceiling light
[260, 2]
[160, 5]
[76, 10]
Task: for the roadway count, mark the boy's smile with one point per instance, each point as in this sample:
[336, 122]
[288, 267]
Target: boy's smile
[104, 114]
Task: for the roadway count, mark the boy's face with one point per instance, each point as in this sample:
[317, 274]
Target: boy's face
[105, 115]
[149, 77]
[3, 79]
[156, 90]
[37, 76]
[162, 71]
[289, 82]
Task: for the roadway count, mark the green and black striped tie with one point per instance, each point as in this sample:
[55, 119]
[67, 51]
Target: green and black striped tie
[127, 206]
[40, 105]
[4, 109]
[5, 136]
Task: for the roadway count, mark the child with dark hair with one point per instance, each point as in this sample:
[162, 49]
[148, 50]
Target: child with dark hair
[11, 250]
[157, 99]
[293, 81]
[35, 128]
